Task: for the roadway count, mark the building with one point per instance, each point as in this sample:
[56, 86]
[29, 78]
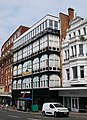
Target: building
[74, 71]
[6, 61]
[64, 25]
[36, 65]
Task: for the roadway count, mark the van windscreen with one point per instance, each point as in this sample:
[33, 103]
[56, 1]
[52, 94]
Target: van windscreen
[58, 105]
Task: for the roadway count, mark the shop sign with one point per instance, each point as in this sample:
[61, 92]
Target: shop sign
[23, 92]
[26, 73]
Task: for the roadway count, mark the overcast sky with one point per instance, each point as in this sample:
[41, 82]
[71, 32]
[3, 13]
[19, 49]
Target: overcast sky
[14, 13]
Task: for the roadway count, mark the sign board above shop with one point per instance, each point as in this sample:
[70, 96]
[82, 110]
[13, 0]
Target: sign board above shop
[23, 92]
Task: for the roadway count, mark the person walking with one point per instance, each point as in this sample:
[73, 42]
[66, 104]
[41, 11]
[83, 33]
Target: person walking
[2, 107]
[6, 107]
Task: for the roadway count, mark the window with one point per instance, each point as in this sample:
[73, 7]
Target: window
[82, 71]
[56, 25]
[81, 49]
[50, 23]
[72, 50]
[69, 35]
[84, 30]
[75, 50]
[68, 54]
[67, 72]
[79, 32]
[19, 54]
[74, 72]
[74, 34]
[51, 106]
[45, 24]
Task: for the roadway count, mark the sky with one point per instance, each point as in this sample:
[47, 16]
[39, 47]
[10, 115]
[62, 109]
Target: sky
[14, 13]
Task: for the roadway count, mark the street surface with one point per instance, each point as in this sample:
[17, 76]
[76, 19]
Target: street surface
[19, 115]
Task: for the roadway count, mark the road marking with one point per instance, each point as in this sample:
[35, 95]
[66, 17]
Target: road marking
[33, 119]
[14, 116]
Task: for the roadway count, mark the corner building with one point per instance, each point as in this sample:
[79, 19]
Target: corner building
[36, 62]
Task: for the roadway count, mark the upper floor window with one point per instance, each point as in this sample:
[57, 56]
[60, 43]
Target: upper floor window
[50, 23]
[82, 71]
[55, 25]
[80, 49]
[74, 72]
[67, 72]
[79, 32]
[72, 50]
[74, 34]
[69, 35]
[45, 24]
[84, 30]
[75, 50]
[68, 54]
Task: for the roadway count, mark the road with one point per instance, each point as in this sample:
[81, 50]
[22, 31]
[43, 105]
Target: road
[19, 115]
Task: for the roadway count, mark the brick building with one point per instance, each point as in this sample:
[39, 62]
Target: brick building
[64, 25]
[6, 61]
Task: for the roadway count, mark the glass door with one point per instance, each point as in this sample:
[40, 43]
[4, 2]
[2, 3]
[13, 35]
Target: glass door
[74, 104]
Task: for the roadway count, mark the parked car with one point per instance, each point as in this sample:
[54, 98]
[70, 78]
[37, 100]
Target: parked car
[54, 109]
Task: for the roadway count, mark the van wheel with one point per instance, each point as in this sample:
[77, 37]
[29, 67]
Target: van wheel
[43, 113]
[55, 114]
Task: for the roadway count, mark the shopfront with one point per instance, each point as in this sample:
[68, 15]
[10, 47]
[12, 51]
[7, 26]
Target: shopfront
[39, 97]
[75, 100]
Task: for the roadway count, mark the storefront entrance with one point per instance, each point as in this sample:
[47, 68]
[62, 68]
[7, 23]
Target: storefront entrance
[74, 104]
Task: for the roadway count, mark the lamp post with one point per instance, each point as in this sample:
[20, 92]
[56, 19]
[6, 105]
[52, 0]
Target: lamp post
[32, 82]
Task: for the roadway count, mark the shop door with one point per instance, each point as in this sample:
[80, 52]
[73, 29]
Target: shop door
[74, 104]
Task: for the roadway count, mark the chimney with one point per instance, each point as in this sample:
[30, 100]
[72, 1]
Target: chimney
[70, 13]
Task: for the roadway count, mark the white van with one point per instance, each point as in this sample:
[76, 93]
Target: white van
[54, 109]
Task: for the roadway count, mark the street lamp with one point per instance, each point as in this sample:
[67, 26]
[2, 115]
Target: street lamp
[32, 82]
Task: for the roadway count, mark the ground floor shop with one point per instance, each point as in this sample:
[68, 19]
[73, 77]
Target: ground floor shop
[39, 96]
[4, 98]
[75, 100]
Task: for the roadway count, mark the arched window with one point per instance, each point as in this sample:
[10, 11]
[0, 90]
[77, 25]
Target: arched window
[36, 82]
[44, 61]
[36, 64]
[19, 69]
[44, 81]
[27, 66]
[14, 84]
[15, 71]
[54, 81]
[19, 84]
[26, 83]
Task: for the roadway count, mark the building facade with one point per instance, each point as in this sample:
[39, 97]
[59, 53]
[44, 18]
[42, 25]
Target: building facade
[6, 61]
[74, 69]
[36, 65]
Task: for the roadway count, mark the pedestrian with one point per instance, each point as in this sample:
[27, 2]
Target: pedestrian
[2, 107]
[6, 107]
